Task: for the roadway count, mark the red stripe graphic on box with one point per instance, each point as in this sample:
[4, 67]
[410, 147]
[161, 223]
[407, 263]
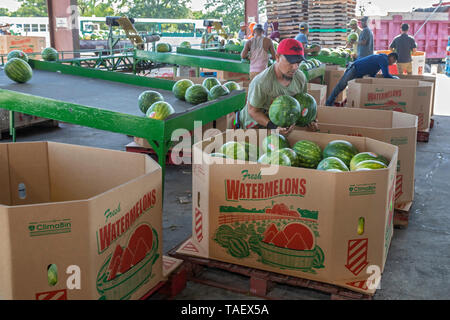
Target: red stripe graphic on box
[398, 186]
[190, 247]
[357, 255]
[198, 225]
[420, 120]
[168, 263]
[52, 295]
[359, 284]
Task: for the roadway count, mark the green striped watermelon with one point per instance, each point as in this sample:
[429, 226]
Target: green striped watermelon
[366, 156]
[233, 150]
[231, 85]
[185, 44]
[217, 155]
[196, 94]
[309, 153]
[163, 47]
[18, 70]
[180, 87]
[284, 111]
[264, 159]
[251, 151]
[308, 107]
[341, 149]
[147, 98]
[217, 91]
[293, 156]
[274, 142]
[17, 54]
[160, 110]
[332, 164]
[370, 165]
[238, 248]
[280, 158]
[210, 82]
[49, 54]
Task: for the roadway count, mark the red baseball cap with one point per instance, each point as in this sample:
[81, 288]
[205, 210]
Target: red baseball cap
[292, 49]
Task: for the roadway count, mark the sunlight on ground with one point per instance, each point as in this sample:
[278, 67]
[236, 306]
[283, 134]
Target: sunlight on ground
[442, 96]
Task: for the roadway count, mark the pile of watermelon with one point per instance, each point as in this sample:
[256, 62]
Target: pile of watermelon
[300, 110]
[336, 52]
[337, 156]
[17, 67]
[152, 104]
[210, 89]
[309, 64]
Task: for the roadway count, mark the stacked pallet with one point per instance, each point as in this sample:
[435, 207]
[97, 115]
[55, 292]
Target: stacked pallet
[289, 14]
[328, 20]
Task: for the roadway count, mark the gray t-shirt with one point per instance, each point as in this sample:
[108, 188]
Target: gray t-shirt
[367, 50]
[403, 45]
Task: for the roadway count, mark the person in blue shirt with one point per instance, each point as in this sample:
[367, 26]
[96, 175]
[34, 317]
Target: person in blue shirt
[368, 66]
[303, 35]
[365, 40]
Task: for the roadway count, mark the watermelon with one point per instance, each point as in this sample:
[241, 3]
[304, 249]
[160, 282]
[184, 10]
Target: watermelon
[18, 70]
[303, 235]
[163, 47]
[324, 52]
[264, 159]
[303, 66]
[114, 263]
[251, 151]
[185, 44]
[370, 165]
[160, 110]
[280, 240]
[210, 82]
[284, 111]
[223, 235]
[341, 149]
[231, 85]
[196, 94]
[126, 261]
[292, 155]
[147, 98]
[274, 142]
[280, 158]
[366, 156]
[275, 46]
[352, 37]
[180, 87]
[49, 54]
[233, 150]
[238, 248]
[332, 164]
[141, 251]
[308, 107]
[309, 153]
[144, 233]
[217, 91]
[217, 155]
[319, 258]
[17, 54]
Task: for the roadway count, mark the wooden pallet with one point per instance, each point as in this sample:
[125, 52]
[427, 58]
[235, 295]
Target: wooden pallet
[260, 282]
[174, 271]
[423, 135]
[401, 215]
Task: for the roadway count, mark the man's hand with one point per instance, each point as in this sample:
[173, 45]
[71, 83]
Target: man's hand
[313, 126]
[286, 131]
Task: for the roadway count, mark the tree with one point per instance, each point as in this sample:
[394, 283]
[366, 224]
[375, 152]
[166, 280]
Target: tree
[31, 8]
[98, 8]
[163, 9]
[4, 12]
[230, 11]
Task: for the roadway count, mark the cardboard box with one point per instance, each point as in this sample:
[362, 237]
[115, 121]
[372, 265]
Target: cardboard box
[426, 77]
[25, 44]
[95, 214]
[319, 92]
[228, 75]
[316, 213]
[392, 127]
[410, 96]
[332, 76]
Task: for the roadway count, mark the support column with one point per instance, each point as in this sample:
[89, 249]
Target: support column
[251, 12]
[64, 25]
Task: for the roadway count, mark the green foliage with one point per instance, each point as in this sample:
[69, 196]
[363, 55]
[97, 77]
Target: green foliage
[230, 11]
[4, 12]
[31, 8]
[98, 8]
[163, 9]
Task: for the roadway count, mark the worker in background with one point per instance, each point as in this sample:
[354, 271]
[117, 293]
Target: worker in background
[281, 78]
[352, 42]
[303, 38]
[367, 66]
[243, 31]
[365, 41]
[258, 46]
[404, 44]
[275, 34]
[251, 27]
[353, 24]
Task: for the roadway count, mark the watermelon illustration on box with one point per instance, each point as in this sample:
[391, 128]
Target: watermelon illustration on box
[291, 220]
[130, 264]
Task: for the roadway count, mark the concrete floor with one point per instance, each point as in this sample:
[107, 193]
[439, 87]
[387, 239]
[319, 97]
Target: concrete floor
[418, 264]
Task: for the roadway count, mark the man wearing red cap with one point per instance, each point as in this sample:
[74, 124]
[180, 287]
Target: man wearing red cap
[282, 78]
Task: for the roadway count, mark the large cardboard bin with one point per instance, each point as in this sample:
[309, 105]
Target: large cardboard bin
[78, 223]
[409, 96]
[392, 127]
[296, 221]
